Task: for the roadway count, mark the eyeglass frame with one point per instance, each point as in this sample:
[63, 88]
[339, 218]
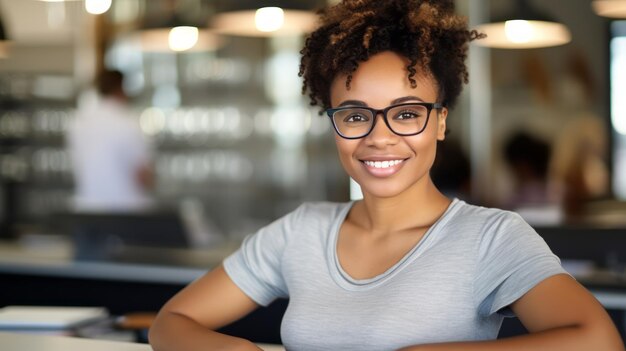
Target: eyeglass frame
[430, 106]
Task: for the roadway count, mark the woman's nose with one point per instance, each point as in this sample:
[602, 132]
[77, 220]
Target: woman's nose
[381, 134]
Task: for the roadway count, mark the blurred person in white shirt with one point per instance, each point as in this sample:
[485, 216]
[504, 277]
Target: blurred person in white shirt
[111, 157]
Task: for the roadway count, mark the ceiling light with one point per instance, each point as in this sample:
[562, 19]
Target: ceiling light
[178, 39]
[269, 19]
[523, 29]
[97, 7]
[176, 29]
[610, 8]
[183, 38]
[266, 18]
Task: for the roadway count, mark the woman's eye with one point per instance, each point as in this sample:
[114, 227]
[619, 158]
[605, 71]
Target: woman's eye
[407, 115]
[356, 118]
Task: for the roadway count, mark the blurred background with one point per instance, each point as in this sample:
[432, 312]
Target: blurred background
[231, 144]
[213, 87]
[226, 120]
[232, 135]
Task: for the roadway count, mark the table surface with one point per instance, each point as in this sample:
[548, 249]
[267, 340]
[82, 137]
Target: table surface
[151, 265]
[30, 342]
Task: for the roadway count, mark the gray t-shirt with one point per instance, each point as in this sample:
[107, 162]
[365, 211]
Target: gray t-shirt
[454, 285]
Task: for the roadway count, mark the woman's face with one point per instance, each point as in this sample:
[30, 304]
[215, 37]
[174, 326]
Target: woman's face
[379, 82]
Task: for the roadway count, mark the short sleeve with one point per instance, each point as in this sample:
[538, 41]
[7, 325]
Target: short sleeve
[512, 259]
[256, 267]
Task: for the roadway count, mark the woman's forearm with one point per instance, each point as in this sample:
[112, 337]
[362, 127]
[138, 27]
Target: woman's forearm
[565, 338]
[176, 332]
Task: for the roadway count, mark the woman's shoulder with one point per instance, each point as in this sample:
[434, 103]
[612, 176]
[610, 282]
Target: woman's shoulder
[485, 218]
[306, 220]
[479, 210]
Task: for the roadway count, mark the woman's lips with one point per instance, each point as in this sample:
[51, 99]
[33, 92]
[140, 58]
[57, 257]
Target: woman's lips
[383, 168]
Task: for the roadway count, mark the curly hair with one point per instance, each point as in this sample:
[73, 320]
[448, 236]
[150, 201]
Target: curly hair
[427, 32]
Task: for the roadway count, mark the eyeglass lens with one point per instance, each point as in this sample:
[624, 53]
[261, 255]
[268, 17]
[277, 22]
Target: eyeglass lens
[405, 119]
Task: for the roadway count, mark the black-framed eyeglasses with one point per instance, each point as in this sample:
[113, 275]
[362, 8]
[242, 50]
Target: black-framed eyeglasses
[406, 119]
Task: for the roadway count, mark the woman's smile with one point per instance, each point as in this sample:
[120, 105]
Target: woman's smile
[383, 167]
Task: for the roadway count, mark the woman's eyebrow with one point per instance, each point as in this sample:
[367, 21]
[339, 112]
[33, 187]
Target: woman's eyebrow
[353, 103]
[395, 101]
[406, 98]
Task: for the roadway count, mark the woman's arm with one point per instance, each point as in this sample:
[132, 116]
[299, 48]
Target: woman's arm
[559, 314]
[187, 322]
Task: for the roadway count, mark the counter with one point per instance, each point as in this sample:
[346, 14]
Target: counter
[28, 342]
[23, 342]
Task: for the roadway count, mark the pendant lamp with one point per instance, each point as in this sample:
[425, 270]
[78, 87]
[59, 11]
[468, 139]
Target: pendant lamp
[610, 8]
[266, 18]
[176, 36]
[97, 7]
[524, 28]
[177, 32]
[94, 7]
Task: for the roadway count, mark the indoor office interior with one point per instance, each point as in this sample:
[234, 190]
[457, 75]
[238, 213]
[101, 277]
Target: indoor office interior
[232, 144]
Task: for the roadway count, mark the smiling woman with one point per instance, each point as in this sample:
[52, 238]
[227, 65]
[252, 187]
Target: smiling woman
[406, 267]
[389, 158]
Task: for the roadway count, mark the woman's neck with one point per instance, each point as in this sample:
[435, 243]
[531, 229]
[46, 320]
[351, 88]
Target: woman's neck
[413, 209]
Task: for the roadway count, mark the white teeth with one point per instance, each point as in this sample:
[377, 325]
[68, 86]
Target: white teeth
[382, 164]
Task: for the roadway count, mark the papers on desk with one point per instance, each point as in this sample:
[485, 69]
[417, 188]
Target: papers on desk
[269, 347]
[49, 318]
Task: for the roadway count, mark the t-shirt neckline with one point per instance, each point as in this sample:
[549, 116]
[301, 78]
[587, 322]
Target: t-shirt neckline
[343, 279]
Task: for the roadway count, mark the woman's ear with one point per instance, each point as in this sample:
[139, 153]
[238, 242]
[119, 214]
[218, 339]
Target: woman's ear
[442, 115]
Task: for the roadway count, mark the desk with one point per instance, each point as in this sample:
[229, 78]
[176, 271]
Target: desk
[26, 342]
[147, 265]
